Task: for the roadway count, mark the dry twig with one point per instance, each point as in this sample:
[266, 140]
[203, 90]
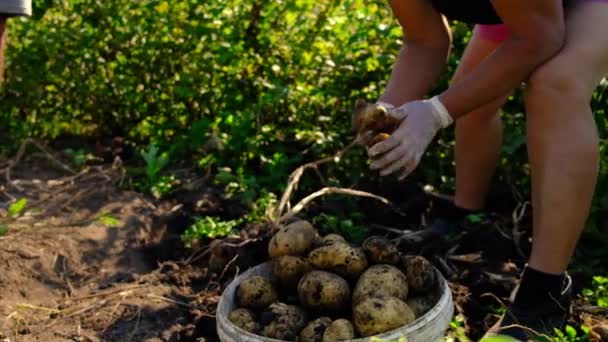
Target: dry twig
[342, 191]
[518, 214]
[228, 266]
[295, 176]
[169, 300]
[20, 154]
[473, 258]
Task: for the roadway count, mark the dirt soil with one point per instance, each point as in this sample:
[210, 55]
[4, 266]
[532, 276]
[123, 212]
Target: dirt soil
[97, 263]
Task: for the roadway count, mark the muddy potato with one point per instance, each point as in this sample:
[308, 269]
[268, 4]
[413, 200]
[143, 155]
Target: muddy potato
[289, 269]
[339, 257]
[421, 304]
[244, 319]
[339, 330]
[280, 331]
[381, 281]
[378, 138]
[256, 292]
[375, 315]
[313, 332]
[290, 219]
[329, 239]
[420, 274]
[323, 291]
[296, 238]
[283, 321]
[380, 250]
[372, 117]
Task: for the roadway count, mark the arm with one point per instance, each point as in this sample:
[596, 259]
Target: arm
[537, 33]
[422, 58]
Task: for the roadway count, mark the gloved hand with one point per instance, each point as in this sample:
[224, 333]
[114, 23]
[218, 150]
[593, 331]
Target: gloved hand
[402, 151]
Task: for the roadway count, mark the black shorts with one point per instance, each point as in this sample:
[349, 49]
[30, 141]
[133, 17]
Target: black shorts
[470, 11]
[11, 8]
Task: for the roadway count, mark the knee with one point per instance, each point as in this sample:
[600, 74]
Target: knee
[557, 80]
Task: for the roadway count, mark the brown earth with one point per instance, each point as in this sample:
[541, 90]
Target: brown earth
[91, 262]
[98, 268]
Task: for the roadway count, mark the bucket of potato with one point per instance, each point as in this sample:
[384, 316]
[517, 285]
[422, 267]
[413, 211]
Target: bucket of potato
[325, 289]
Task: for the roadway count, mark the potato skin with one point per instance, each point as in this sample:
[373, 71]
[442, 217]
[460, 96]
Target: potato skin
[378, 138]
[289, 269]
[323, 291]
[256, 292]
[381, 281]
[280, 331]
[339, 330]
[313, 332]
[339, 257]
[329, 239]
[282, 321]
[245, 319]
[420, 274]
[380, 250]
[374, 315]
[296, 238]
[372, 117]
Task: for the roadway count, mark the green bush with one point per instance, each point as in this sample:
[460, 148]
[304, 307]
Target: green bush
[251, 88]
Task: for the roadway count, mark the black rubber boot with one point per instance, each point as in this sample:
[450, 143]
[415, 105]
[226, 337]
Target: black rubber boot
[535, 322]
[448, 221]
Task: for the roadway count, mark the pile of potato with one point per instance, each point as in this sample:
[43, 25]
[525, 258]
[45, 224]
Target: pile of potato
[324, 289]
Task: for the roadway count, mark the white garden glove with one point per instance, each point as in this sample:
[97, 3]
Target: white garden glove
[402, 151]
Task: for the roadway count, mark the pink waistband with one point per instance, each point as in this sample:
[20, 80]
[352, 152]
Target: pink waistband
[500, 32]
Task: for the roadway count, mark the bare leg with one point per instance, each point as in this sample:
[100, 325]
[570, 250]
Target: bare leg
[2, 45]
[478, 142]
[562, 137]
[478, 136]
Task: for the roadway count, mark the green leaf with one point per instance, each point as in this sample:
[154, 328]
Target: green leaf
[3, 229]
[17, 208]
[474, 218]
[208, 227]
[571, 331]
[150, 155]
[107, 220]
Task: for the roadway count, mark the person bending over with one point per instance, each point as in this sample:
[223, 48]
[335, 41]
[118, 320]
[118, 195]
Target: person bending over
[560, 51]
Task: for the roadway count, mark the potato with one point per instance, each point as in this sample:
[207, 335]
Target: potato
[375, 315]
[378, 138]
[296, 238]
[280, 331]
[339, 257]
[244, 319]
[380, 250]
[420, 274]
[381, 281]
[372, 117]
[323, 291]
[256, 292]
[421, 304]
[289, 269]
[339, 330]
[282, 321]
[313, 332]
[330, 239]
